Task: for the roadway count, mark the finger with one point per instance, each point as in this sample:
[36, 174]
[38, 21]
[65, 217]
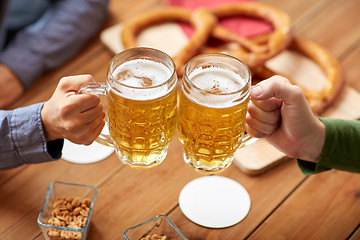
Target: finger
[269, 117]
[94, 129]
[79, 103]
[97, 130]
[276, 87]
[94, 113]
[253, 132]
[268, 104]
[260, 126]
[86, 134]
[73, 83]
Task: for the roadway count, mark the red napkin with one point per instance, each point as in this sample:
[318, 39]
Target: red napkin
[246, 27]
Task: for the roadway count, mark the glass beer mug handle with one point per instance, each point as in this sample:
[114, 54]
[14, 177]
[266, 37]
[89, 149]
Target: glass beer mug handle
[98, 89]
[247, 140]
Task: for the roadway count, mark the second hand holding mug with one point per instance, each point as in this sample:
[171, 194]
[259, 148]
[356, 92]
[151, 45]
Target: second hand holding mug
[142, 97]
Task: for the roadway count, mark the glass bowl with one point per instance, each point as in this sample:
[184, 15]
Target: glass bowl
[64, 201]
[160, 225]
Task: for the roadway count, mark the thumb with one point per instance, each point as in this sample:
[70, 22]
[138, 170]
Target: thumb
[277, 87]
[73, 83]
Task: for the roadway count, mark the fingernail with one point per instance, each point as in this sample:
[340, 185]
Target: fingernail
[256, 91]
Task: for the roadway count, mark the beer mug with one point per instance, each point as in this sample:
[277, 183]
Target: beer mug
[213, 103]
[142, 100]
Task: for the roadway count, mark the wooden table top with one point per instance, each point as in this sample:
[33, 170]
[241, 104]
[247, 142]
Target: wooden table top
[285, 204]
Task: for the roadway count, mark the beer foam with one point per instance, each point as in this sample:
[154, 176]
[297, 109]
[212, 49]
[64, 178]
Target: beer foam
[141, 75]
[219, 85]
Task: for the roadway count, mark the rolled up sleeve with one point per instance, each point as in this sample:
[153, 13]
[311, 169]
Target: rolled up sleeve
[341, 148]
[22, 138]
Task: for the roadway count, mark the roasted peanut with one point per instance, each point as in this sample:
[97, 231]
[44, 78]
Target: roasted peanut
[84, 213]
[68, 212]
[154, 237]
[57, 222]
[77, 211]
[76, 202]
[69, 206]
[87, 202]
[56, 211]
[58, 203]
[60, 217]
[53, 233]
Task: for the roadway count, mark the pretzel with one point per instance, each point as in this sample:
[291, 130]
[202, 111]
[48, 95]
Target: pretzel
[253, 52]
[250, 52]
[201, 19]
[318, 100]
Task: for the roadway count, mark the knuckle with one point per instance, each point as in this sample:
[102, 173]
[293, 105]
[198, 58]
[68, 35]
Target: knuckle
[297, 90]
[65, 110]
[71, 126]
[88, 77]
[64, 82]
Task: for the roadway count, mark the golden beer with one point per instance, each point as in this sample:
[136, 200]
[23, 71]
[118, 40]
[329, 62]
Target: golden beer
[212, 110]
[142, 129]
[141, 106]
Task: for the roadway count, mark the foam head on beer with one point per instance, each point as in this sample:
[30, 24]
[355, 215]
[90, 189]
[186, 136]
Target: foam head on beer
[218, 86]
[140, 74]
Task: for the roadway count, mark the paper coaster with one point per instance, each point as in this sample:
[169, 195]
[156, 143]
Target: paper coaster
[76, 153]
[214, 201]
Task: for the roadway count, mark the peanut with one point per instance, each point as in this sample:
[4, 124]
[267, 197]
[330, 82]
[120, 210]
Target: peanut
[77, 211]
[69, 206]
[53, 233]
[84, 213]
[76, 202]
[154, 237]
[68, 212]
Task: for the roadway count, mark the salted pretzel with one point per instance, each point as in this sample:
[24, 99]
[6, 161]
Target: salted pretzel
[250, 52]
[318, 100]
[201, 19]
[204, 21]
[253, 52]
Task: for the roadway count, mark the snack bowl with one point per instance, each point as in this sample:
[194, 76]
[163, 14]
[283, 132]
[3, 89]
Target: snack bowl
[67, 210]
[160, 225]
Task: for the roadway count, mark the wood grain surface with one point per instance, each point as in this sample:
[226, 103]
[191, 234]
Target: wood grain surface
[285, 204]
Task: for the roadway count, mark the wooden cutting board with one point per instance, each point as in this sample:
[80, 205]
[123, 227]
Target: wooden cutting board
[258, 156]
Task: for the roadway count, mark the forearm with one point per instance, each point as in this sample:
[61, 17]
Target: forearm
[54, 38]
[341, 148]
[22, 138]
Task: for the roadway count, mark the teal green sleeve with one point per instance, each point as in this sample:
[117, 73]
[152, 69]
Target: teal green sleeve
[341, 148]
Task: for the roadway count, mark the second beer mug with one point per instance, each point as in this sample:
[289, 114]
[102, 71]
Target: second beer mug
[214, 96]
[141, 112]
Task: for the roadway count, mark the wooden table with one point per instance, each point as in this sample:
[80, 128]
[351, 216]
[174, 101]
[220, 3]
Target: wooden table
[285, 203]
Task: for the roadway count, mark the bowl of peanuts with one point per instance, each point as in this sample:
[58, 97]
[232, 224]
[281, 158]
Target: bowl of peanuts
[159, 227]
[67, 210]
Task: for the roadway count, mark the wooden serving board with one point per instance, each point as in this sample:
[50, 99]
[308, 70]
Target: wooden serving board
[259, 156]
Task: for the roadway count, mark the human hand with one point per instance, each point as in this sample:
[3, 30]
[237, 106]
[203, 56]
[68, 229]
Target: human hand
[76, 117]
[10, 87]
[279, 112]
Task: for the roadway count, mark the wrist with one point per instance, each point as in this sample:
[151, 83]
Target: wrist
[50, 132]
[312, 147]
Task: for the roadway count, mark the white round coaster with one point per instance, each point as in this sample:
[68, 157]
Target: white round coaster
[76, 153]
[214, 201]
